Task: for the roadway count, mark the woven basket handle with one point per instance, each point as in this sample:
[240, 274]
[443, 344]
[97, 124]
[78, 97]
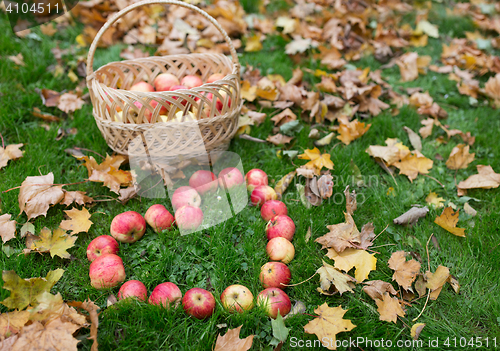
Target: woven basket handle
[112, 20]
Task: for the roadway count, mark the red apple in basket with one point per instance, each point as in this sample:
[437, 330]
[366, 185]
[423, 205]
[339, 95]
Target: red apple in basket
[280, 249]
[274, 274]
[191, 81]
[185, 195]
[188, 218]
[179, 87]
[237, 298]
[128, 227]
[198, 303]
[149, 115]
[272, 208]
[133, 288]
[281, 225]
[204, 182]
[262, 194]
[230, 177]
[158, 217]
[106, 271]
[254, 178]
[214, 77]
[273, 300]
[165, 81]
[103, 244]
[166, 294]
[143, 87]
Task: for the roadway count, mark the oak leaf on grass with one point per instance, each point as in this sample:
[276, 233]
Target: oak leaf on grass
[11, 152]
[328, 324]
[405, 272]
[448, 221]
[79, 221]
[24, 292]
[55, 243]
[231, 341]
[7, 227]
[350, 258]
[37, 194]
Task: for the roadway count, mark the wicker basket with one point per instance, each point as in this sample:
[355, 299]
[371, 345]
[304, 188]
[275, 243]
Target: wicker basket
[121, 119]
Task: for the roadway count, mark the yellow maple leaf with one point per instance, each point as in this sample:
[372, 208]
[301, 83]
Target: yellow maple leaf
[448, 221]
[328, 324]
[231, 341]
[253, 44]
[317, 160]
[352, 131]
[405, 272]
[79, 221]
[414, 164]
[24, 292]
[56, 243]
[389, 308]
[350, 258]
[248, 92]
[460, 157]
[330, 276]
[436, 281]
[434, 200]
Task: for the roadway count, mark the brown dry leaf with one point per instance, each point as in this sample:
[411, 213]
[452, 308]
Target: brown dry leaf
[426, 130]
[411, 216]
[341, 236]
[393, 152]
[11, 152]
[413, 165]
[92, 309]
[24, 292]
[304, 172]
[279, 139]
[231, 341]
[56, 243]
[460, 157]
[256, 117]
[50, 98]
[37, 194]
[485, 179]
[418, 99]
[415, 140]
[17, 59]
[79, 221]
[327, 85]
[332, 277]
[284, 183]
[130, 192]
[325, 186]
[48, 29]
[416, 329]
[45, 116]
[350, 258]
[408, 67]
[107, 172]
[284, 117]
[317, 160]
[436, 281]
[352, 131]
[389, 308]
[350, 200]
[405, 272]
[7, 228]
[328, 324]
[54, 335]
[377, 288]
[367, 235]
[78, 197]
[299, 45]
[13, 322]
[131, 53]
[69, 102]
[448, 221]
[492, 89]
[311, 191]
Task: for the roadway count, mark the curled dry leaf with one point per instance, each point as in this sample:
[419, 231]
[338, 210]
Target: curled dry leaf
[305, 172]
[37, 194]
[256, 117]
[390, 154]
[492, 89]
[284, 117]
[311, 192]
[325, 186]
[485, 179]
[415, 140]
[448, 221]
[333, 280]
[231, 341]
[350, 258]
[328, 324]
[341, 236]
[460, 157]
[11, 152]
[405, 272]
[79, 221]
[411, 216]
[92, 309]
[326, 140]
[69, 102]
[408, 67]
[377, 288]
[108, 171]
[78, 197]
[279, 139]
[284, 183]
[416, 329]
[350, 201]
[7, 228]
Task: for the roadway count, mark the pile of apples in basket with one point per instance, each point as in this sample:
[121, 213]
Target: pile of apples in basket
[107, 270]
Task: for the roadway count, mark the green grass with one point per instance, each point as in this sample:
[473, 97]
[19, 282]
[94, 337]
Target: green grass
[233, 252]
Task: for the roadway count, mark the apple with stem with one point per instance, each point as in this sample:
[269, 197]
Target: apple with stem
[262, 194]
[204, 182]
[281, 225]
[275, 275]
[159, 218]
[103, 244]
[185, 196]
[255, 177]
[106, 271]
[128, 227]
[274, 301]
[273, 208]
[198, 303]
[133, 288]
[166, 294]
[237, 298]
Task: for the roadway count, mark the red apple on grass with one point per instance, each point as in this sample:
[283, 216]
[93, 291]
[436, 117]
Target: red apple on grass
[165, 81]
[142, 86]
[185, 196]
[214, 77]
[158, 217]
[230, 178]
[204, 182]
[103, 244]
[255, 177]
[272, 208]
[133, 288]
[274, 274]
[273, 300]
[237, 298]
[191, 81]
[128, 227]
[262, 194]
[280, 249]
[188, 218]
[281, 225]
[106, 271]
[166, 294]
[198, 303]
